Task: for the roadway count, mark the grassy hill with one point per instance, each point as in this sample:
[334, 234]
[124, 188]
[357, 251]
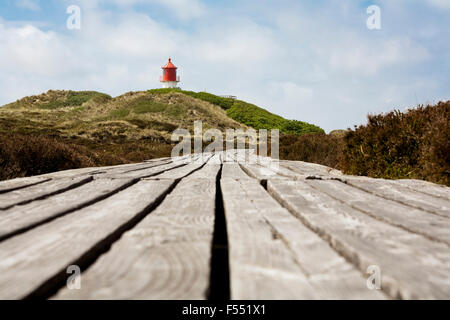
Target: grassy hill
[67, 129]
[249, 114]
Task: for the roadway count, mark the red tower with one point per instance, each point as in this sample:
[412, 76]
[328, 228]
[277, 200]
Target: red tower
[169, 78]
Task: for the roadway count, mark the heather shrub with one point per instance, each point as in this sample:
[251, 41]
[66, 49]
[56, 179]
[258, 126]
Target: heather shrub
[26, 155]
[23, 155]
[412, 144]
[317, 148]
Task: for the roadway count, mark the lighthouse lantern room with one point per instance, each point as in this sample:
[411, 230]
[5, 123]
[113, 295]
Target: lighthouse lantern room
[169, 78]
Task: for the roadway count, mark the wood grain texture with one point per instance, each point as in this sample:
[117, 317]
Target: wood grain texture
[28, 215]
[426, 187]
[261, 172]
[146, 231]
[159, 159]
[181, 171]
[274, 256]
[110, 169]
[140, 173]
[310, 169]
[167, 255]
[20, 183]
[38, 191]
[392, 191]
[29, 260]
[261, 267]
[122, 170]
[234, 171]
[73, 173]
[414, 220]
[412, 266]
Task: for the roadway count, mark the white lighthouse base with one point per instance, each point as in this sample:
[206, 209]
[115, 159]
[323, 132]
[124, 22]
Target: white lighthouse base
[170, 84]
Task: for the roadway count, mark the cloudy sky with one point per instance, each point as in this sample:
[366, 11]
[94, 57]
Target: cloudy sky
[310, 60]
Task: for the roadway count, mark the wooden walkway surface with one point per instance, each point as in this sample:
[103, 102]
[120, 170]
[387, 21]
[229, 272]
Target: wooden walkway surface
[223, 228]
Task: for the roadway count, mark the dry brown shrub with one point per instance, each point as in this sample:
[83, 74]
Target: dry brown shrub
[26, 155]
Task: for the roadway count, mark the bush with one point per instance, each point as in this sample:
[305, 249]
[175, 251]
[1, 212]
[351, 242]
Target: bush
[24, 155]
[317, 148]
[396, 145]
[415, 144]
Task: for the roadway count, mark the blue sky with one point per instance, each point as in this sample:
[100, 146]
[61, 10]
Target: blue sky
[308, 60]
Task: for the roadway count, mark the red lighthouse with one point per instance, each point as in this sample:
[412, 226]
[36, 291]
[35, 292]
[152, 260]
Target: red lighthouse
[169, 78]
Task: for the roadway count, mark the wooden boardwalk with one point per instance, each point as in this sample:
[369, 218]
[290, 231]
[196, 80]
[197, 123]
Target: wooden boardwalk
[222, 228]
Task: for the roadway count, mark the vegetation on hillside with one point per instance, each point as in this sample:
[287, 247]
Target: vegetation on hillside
[23, 155]
[396, 145]
[98, 117]
[414, 144]
[258, 118]
[60, 130]
[319, 148]
[249, 114]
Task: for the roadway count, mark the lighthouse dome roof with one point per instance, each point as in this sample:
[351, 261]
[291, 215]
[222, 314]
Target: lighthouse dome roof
[169, 65]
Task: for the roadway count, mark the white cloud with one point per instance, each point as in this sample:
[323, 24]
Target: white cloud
[363, 56]
[28, 50]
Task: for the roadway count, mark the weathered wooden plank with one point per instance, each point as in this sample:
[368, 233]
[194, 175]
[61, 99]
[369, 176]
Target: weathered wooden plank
[389, 190]
[310, 168]
[234, 171]
[20, 183]
[414, 220]
[207, 171]
[166, 256]
[20, 218]
[274, 256]
[134, 171]
[178, 172]
[20, 196]
[412, 266]
[155, 170]
[73, 173]
[263, 168]
[143, 172]
[30, 260]
[137, 166]
[432, 189]
[305, 170]
[246, 157]
[181, 171]
[261, 267]
[158, 159]
[260, 172]
[216, 158]
[113, 169]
